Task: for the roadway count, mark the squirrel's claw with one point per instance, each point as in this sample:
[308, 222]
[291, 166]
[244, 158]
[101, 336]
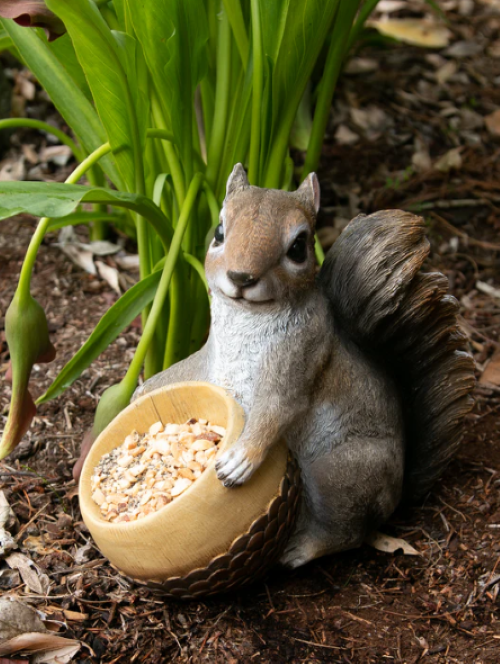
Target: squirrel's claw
[234, 467]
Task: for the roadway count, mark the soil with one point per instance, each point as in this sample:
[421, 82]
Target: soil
[361, 606]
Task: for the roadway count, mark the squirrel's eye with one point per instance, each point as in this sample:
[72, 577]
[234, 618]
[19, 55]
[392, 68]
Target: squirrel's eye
[298, 251]
[219, 234]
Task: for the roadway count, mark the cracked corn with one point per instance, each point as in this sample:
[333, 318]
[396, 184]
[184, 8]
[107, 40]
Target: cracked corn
[150, 470]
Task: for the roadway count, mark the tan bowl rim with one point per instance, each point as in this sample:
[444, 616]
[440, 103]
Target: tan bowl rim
[234, 409]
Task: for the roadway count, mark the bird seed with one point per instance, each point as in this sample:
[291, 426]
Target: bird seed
[148, 471]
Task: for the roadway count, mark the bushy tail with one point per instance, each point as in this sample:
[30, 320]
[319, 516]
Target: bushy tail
[408, 320]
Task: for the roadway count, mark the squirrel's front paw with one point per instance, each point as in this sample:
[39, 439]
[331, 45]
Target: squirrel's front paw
[236, 466]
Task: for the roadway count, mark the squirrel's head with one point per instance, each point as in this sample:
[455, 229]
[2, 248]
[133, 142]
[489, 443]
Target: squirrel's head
[263, 248]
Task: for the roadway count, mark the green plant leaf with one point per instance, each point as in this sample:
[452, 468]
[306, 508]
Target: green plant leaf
[274, 19]
[114, 321]
[293, 34]
[306, 26]
[302, 126]
[104, 64]
[337, 48]
[84, 217]
[237, 21]
[67, 97]
[173, 35]
[5, 41]
[137, 78]
[44, 199]
[64, 51]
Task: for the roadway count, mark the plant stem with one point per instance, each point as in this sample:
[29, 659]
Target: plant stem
[98, 229]
[198, 267]
[207, 107]
[45, 222]
[170, 153]
[177, 346]
[213, 205]
[201, 317]
[158, 188]
[23, 288]
[152, 360]
[110, 18]
[14, 123]
[219, 127]
[364, 14]
[258, 81]
[272, 177]
[155, 132]
[237, 22]
[161, 293]
[238, 129]
[334, 60]
[318, 250]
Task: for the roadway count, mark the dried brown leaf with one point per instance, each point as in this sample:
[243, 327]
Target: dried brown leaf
[7, 522]
[445, 72]
[22, 631]
[451, 160]
[7, 517]
[7, 542]
[56, 154]
[344, 135]
[109, 274]
[12, 170]
[416, 31]
[389, 544]
[491, 373]
[492, 122]
[487, 289]
[33, 577]
[9, 578]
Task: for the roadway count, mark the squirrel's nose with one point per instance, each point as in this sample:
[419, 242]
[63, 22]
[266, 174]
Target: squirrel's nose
[241, 279]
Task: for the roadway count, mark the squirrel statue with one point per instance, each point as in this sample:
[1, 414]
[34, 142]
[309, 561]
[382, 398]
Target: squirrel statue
[362, 369]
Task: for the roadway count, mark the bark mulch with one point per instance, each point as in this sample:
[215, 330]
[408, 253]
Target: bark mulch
[361, 606]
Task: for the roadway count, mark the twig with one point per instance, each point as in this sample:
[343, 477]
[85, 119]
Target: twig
[467, 238]
[23, 528]
[20, 473]
[453, 509]
[358, 618]
[454, 203]
[318, 645]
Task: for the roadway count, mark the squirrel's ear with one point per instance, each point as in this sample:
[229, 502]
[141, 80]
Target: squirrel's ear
[309, 191]
[237, 181]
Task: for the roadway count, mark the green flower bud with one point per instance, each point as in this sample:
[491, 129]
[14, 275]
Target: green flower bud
[27, 336]
[112, 402]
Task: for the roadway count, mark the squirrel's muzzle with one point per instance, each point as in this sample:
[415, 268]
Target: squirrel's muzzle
[242, 279]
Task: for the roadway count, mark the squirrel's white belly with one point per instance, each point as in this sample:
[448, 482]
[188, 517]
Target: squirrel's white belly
[240, 342]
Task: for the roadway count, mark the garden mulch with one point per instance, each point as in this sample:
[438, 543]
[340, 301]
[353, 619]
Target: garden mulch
[361, 606]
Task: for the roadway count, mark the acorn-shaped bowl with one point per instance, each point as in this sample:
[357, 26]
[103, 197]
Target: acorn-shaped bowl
[210, 539]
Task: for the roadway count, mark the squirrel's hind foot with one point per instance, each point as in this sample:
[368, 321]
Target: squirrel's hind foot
[301, 549]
